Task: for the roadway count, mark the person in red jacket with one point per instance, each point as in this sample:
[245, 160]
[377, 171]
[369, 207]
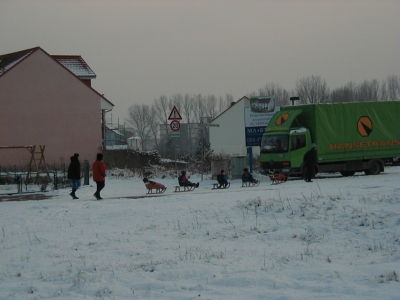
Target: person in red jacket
[99, 175]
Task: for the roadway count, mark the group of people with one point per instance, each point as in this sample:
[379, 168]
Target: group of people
[98, 170]
[183, 180]
[99, 174]
[246, 177]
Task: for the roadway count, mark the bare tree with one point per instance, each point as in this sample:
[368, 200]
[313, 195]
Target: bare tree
[188, 112]
[346, 93]
[139, 117]
[368, 91]
[383, 93]
[162, 108]
[312, 89]
[210, 106]
[177, 101]
[281, 95]
[199, 109]
[154, 124]
[188, 108]
[393, 84]
[225, 104]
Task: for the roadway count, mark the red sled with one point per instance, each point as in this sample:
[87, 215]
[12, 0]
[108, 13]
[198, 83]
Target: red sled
[278, 178]
[157, 188]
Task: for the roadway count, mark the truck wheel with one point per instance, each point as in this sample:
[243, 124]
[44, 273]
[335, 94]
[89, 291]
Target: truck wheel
[347, 173]
[374, 168]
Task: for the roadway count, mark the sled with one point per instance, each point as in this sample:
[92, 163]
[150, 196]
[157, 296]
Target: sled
[156, 190]
[188, 188]
[278, 178]
[250, 184]
[220, 186]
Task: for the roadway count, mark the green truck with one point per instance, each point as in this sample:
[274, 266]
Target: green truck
[351, 137]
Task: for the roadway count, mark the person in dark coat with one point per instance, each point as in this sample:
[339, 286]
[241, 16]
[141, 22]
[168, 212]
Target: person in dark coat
[222, 179]
[310, 161]
[247, 177]
[99, 175]
[74, 174]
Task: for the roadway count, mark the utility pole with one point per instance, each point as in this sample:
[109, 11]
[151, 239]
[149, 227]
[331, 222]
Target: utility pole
[203, 128]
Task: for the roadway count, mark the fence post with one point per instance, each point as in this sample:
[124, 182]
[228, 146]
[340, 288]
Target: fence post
[250, 153]
[19, 184]
[55, 180]
[86, 172]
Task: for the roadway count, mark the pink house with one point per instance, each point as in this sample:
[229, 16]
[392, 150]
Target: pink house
[48, 100]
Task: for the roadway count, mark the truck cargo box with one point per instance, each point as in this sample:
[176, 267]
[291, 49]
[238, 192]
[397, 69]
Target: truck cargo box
[350, 131]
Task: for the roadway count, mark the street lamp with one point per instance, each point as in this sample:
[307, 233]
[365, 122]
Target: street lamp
[294, 99]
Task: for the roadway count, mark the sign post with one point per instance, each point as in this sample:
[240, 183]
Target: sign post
[175, 116]
[175, 125]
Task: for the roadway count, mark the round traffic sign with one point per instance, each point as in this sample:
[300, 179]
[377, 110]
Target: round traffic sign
[175, 125]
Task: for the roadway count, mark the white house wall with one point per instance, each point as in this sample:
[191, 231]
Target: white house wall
[229, 137]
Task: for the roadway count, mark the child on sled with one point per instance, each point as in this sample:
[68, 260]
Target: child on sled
[222, 179]
[184, 181]
[247, 177]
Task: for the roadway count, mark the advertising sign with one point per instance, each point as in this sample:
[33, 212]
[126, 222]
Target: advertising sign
[256, 118]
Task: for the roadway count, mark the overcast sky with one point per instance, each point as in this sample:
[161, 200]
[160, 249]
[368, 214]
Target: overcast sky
[141, 50]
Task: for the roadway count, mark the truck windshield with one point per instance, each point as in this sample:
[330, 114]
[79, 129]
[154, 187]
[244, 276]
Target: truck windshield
[275, 143]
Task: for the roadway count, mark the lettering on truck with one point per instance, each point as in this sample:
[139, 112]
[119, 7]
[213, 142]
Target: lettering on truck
[366, 144]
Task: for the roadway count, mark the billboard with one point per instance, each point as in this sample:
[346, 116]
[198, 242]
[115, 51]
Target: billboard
[256, 118]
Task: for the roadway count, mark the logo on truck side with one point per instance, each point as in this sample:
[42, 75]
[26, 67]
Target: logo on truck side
[282, 119]
[364, 126]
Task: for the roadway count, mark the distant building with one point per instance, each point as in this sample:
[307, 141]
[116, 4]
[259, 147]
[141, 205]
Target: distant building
[229, 136]
[48, 100]
[185, 141]
[135, 142]
[115, 137]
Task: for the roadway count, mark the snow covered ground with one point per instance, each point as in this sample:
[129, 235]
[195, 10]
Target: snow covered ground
[335, 238]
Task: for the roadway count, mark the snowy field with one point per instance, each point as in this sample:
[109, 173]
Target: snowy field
[335, 238]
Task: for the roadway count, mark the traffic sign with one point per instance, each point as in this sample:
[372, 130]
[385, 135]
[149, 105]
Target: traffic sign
[175, 134]
[175, 125]
[174, 115]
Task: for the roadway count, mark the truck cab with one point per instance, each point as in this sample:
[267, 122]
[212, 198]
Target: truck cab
[283, 152]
